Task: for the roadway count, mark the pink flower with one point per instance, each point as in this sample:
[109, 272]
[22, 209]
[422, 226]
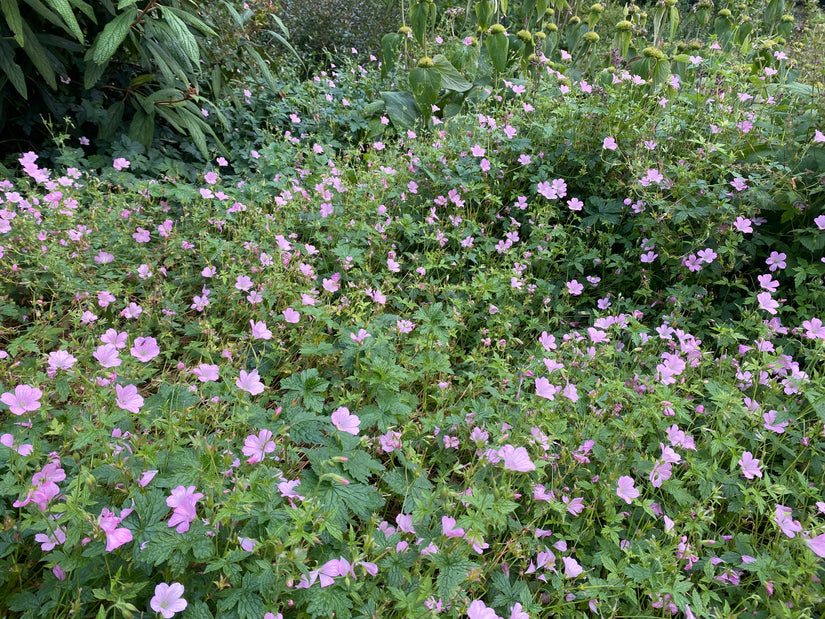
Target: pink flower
[546, 390]
[814, 329]
[750, 466]
[24, 399]
[626, 489]
[259, 330]
[817, 544]
[291, 315]
[23, 450]
[479, 610]
[51, 541]
[344, 421]
[362, 335]
[609, 143]
[783, 519]
[819, 137]
[516, 459]
[743, 225]
[168, 599]
[115, 537]
[146, 477]
[256, 447]
[107, 356]
[250, 382]
[118, 340]
[145, 349]
[206, 372]
[449, 529]
[575, 506]
[184, 503]
[571, 567]
[776, 261]
[61, 360]
[121, 163]
[128, 398]
[574, 287]
[243, 283]
[767, 303]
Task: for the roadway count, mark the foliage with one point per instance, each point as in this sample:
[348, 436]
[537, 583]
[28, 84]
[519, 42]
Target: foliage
[557, 357]
[142, 61]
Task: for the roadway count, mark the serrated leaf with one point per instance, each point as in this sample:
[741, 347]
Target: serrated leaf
[160, 548]
[183, 36]
[453, 570]
[194, 21]
[197, 610]
[64, 9]
[112, 36]
[360, 465]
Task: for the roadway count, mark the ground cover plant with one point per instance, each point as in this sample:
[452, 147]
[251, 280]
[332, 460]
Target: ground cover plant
[555, 353]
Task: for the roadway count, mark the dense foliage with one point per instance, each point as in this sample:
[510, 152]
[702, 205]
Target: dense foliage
[551, 348]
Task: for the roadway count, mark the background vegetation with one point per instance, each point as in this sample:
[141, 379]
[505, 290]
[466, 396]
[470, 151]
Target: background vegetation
[514, 311]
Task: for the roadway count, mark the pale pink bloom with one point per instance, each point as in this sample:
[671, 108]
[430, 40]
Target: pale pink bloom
[23, 450]
[121, 163]
[292, 316]
[256, 447]
[516, 612]
[61, 360]
[128, 398]
[571, 567]
[250, 382]
[243, 283]
[814, 329]
[24, 399]
[574, 287]
[115, 537]
[516, 459]
[626, 489]
[133, 311]
[750, 466]
[344, 421]
[817, 544]
[574, 506]
[52, 540]
[767, 303]
[785, 522]
[546, 390]
[145, 349]
[770, 422]
[118, 340]
[362, 335]
[168, 599]
[206, 372]
[609, 143]
[260, 331]
[449, 529]
[479, 610]
[146, 477]
[819, 137]
[184, 503]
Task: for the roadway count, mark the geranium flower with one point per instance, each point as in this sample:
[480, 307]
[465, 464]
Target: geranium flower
[626, 489]
[145, 349]
[256, 447]
[516, 459]
[750, 466]
[250, 382]
[168, 599]
[24, 399]
[128, 398]
[344, 421]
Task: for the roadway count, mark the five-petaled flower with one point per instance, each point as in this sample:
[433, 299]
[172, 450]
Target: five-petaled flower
[168, 599]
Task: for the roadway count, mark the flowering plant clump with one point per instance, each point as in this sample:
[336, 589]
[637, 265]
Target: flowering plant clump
[558, 357]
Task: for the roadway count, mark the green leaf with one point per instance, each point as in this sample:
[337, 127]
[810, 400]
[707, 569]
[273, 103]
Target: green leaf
[111, 122]
[142, 128]
[182, 34]
[85, 8]
[307, 387]
[12, 69]
[37, 55]
[453, 570]
[194, 21]
[418, 21]
[197, 610]
[64, 9]
[263, 67]
[389, 52]
[360, 466]
[11, 11]
[93, 74]
[497, 46]
[112, 36]
[451, 79]
[401, 108]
